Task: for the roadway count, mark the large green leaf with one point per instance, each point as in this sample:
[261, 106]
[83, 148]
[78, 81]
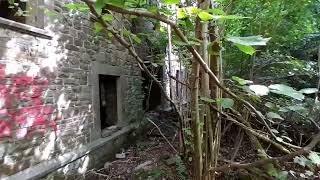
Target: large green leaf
[246, 49]
[204, 16]
[225, 102]
[309, 90]
[286, 90]
[249, 41]
[181, 14]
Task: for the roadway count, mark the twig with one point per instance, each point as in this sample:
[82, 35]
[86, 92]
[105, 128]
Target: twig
[252, 131]
[305, 150]
[237, 145]
[174, 78]
[162, 135]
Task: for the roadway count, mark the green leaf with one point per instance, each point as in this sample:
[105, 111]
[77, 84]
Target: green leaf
[241, 81]
[206, 99]
[107, 17]
[166, 12]
[118, 3]
[259, 90]
[193, 10]
[271, 170]
[301, 160]
[136, 38]
[98, 27]
[273, 115]
[270, 105]
[309, 90]
[250, 40]
[246, 49]
[79, 7]
[204, 16]
[314, 157]
[225, 102]
[282, 175]
[99, 5]
[153, 9]
[181, 14]
[171, 2]
[295, 108]
[286, 90]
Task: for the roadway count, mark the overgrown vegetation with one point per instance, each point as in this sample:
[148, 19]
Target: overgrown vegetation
[253, 66]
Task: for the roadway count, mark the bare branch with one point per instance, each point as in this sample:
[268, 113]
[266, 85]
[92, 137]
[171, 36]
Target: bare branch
[305, 150]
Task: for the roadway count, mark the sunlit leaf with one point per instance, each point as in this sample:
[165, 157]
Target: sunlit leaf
[273, 115]
[204, 16]
[241, 81]
[79, 7]
[246, 49]
[259, 90]
[249, 41]
[309, 90]
[171, 2]
[181, 14]
[193, 10]
[286, 90]
[314, 157]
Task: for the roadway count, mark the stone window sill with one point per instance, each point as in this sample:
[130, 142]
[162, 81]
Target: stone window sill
[24, 28]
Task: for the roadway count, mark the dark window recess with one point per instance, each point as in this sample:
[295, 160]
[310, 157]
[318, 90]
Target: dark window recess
[16, 12]
[108, 100]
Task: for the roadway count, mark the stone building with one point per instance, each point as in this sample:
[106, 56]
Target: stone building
[69, 98]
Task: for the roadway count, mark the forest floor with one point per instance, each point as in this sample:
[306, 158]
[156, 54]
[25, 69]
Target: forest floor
[152, 158]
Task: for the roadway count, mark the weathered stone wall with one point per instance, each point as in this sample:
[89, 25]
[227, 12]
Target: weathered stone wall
[46, 97]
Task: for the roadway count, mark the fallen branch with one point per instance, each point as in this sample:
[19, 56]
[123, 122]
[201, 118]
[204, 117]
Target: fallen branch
[305, 150]
[163, 135]
[174, 78]
[252, 131]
